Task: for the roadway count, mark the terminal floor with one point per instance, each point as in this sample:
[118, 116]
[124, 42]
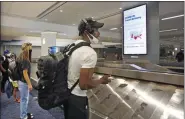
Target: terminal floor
[11, 109]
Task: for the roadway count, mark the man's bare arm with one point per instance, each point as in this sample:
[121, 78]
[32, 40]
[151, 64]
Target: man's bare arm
[88, 82]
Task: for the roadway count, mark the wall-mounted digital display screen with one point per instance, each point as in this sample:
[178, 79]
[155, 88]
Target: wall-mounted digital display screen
[134, 30]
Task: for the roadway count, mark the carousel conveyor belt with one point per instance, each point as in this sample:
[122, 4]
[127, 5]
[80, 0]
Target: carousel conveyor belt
[133, 95]
[145, 70]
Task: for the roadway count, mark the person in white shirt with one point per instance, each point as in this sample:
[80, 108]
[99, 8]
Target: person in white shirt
[81, 66]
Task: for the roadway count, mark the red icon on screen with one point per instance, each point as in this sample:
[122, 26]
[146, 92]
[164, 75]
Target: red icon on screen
[136, 35]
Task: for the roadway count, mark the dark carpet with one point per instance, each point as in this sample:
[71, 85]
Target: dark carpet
[11, 109]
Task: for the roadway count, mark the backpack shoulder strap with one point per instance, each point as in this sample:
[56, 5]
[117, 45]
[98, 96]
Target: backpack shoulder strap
[71, 89]
[71, 51]
[67, 48]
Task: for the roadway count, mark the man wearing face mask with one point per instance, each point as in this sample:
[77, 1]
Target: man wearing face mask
[81, 66]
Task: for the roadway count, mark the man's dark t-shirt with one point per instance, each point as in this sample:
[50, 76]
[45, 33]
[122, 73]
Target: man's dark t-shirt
[180, 56]
[25, 66]
[1, 59]
[5, 64]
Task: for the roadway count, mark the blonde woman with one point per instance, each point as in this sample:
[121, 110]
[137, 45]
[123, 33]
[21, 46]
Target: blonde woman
[24, 83]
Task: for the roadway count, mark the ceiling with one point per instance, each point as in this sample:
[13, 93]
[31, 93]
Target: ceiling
[24, 9]
[72, 12]
[12, 32]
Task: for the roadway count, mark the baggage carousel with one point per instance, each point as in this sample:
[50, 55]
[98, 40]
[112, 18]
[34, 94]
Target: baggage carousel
[138, 90]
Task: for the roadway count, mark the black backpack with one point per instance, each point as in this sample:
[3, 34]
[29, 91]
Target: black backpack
[16, 72]
[52, 72]
[14, 67]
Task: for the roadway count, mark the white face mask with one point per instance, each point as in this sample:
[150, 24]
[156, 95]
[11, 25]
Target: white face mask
[94, 40]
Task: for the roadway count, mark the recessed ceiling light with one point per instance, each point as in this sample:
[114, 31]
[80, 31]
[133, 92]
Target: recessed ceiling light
[113, 29]
[168, 30]
[120, 8]
[46, 19]
[92, 17]
[121, 27]
[172, 17]
[74, 24]
[61, 10]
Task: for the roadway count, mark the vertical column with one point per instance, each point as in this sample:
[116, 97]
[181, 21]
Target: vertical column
[48, 39]
[153, 43]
